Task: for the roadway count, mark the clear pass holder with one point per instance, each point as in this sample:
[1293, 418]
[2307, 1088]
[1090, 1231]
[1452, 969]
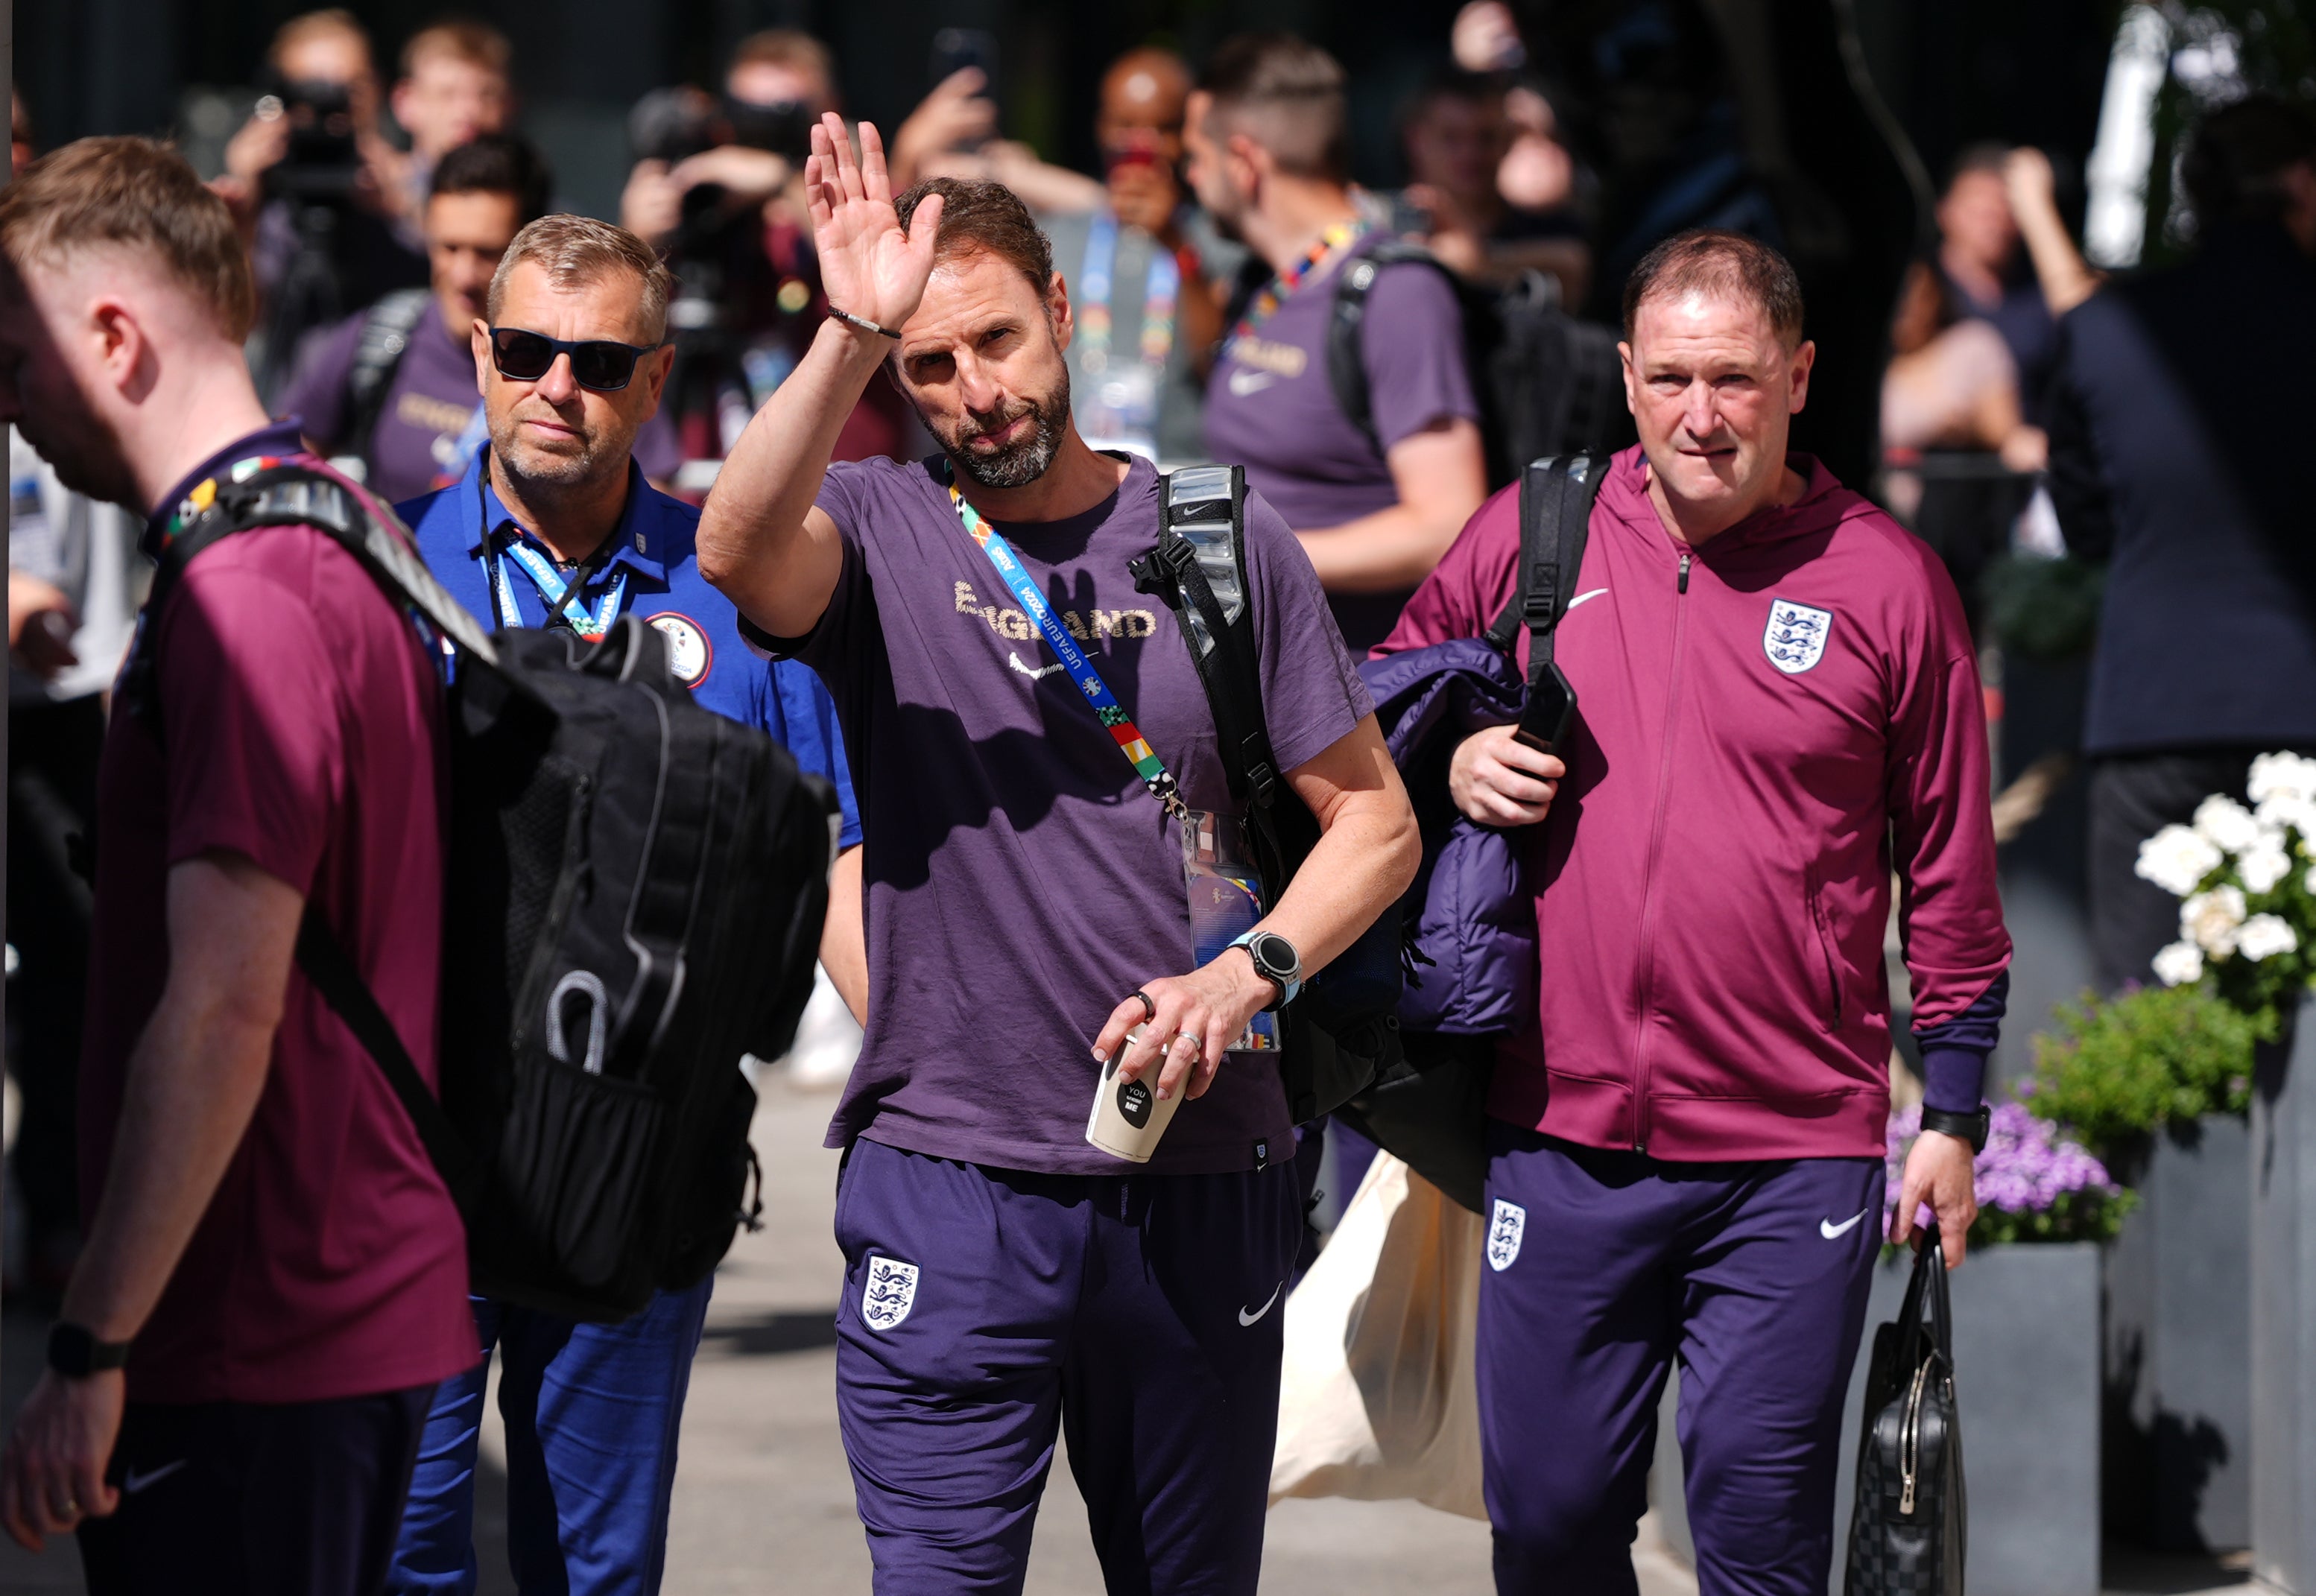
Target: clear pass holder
[1226, 902]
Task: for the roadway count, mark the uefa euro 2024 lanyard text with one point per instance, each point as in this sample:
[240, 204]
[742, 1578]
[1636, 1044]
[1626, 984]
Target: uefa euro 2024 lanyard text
[1225, 898]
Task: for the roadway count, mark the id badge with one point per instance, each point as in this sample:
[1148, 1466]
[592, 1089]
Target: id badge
[1226, 902]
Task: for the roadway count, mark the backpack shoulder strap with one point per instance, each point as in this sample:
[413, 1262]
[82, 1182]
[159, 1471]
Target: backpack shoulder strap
[331, 970]
[386, 334]
[1556, 496]
[1198, 570]
[1347, 366]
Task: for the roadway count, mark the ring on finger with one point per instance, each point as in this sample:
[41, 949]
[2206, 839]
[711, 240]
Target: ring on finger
[1184, 1036]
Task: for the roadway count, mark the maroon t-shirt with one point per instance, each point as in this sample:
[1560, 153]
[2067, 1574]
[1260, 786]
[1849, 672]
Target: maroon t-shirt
[301, 723]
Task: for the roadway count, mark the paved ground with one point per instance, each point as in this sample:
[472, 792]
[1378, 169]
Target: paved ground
[763, 1504]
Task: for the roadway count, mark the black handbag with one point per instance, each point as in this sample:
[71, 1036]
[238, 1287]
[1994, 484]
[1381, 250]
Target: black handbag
[1911, 1527]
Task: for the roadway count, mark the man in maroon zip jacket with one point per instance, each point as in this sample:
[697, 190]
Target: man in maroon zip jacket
[1779, 708]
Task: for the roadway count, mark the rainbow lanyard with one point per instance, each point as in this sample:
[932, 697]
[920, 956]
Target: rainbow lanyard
[1279, 288]
[1106, 707]
[1160, 291]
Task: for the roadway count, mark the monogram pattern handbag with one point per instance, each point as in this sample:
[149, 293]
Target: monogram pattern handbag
[1909, 1529]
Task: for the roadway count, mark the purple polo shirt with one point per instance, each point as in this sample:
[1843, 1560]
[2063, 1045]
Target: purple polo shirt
[1021, 878]
[1270, 408]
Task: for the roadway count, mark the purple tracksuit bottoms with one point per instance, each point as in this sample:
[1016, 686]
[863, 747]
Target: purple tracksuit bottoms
[984, 1309]
[1602, 1268]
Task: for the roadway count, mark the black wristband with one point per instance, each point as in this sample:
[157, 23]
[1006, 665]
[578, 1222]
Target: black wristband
[75, 1353]
[1972, 1128]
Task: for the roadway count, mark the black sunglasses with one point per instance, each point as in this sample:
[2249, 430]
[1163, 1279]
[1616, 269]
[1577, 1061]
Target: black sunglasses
[598, 363]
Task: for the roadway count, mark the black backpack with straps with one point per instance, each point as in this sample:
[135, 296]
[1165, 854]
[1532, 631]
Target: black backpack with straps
[1547, 382]
[1341, 1030]
[634, 892]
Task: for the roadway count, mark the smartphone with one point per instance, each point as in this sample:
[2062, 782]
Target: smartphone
[956, 49]
[1551, 709]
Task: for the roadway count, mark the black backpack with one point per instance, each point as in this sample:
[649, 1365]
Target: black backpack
[1340, 1030]
[634, 892]
[1547, 384]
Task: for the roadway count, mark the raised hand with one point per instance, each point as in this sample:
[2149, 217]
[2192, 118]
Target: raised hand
[869, 266]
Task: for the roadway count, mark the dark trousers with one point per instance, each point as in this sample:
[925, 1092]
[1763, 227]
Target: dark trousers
[250, 1499]
[985, 1309]
[2132, 797]
[1603, 1268]
[52, 754]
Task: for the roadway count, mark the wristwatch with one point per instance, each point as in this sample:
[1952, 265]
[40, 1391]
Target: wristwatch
[1275, 960]
[1973, 1129]
[76, 1354]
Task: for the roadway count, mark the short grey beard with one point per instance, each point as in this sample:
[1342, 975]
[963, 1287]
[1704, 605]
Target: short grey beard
[566, 475]
[1024, 462]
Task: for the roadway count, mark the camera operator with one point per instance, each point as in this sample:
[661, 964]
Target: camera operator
[718, 188]
[312, 179]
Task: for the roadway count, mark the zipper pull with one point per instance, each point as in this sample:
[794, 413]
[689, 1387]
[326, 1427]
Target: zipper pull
[1686, 555]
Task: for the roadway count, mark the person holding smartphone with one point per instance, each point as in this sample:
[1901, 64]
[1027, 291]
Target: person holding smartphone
[1779, 710]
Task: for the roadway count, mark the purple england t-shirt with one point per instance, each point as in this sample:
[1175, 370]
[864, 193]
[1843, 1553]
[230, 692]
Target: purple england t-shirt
[1021, 878]
[1270, 408]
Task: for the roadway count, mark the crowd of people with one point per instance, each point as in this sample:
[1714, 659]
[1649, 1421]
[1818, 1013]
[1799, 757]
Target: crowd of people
[875, 434]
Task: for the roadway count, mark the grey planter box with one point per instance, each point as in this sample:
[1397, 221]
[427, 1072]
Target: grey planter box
[2026, 1368]
[2283, 1311]
[2179, 1344]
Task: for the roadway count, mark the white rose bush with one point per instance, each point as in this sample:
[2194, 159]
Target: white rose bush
[2245, 874]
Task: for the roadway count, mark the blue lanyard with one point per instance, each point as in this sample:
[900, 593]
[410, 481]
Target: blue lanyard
[1112, 714]
[558, 594]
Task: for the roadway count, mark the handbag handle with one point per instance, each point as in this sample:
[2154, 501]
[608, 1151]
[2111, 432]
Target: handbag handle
[1928, 1282]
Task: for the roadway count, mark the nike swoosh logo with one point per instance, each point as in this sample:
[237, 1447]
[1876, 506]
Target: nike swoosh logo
[1246, 1318]
[1832, 1232]
[132, 1482]
[1037, 674]
[1242, 383]
[1580, 597]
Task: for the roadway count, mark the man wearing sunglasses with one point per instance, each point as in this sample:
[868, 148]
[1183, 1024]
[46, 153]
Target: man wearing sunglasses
[555, 526]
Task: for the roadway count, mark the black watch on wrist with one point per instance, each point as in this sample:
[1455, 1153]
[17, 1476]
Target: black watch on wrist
[1277, 962]
[1973, 1129]
[76, 1354]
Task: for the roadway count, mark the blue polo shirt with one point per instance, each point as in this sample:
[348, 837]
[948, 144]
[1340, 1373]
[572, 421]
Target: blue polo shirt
[463, 531]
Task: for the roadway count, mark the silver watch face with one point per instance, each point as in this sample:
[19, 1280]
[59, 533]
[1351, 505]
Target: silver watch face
[1275, 956]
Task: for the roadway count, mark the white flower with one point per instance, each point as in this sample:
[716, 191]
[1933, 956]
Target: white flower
[2177, 860]
[2283, 775]
[2226, 824]
[2179, 965]
[2263, 867]
[2264, 934]
[2286, 812]
[2212, 920]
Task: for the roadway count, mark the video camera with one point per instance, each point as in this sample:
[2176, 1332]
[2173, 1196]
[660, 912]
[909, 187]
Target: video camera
[323, 161]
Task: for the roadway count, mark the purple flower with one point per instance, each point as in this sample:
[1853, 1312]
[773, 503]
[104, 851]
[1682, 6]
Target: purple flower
[2026, 1168]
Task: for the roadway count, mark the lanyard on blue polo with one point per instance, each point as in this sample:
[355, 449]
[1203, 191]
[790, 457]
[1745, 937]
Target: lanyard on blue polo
[558, 594]
[553, 590]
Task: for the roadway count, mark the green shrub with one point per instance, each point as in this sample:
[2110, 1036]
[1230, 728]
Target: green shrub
[2116, 1070]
